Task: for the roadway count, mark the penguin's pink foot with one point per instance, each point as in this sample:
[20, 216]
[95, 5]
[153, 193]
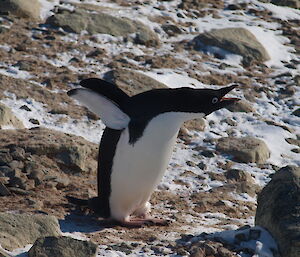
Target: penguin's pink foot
[140, 222]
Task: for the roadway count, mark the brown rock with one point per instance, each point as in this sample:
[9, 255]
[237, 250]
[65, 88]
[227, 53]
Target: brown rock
[241, 106]
[18, 230]
[246, 149]
[7, 118]
[132, 82]
[22, 8]
[62, 247]
[236, 40]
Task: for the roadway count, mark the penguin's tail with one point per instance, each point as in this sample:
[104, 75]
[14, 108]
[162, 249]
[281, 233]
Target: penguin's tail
[77, 201]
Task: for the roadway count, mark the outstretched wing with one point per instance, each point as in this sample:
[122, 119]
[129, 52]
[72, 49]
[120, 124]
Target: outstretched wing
[105, 100]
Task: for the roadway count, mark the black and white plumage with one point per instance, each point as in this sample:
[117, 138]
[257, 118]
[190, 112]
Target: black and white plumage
[137, 143]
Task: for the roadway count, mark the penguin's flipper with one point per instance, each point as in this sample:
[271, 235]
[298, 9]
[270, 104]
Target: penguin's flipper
[108, 90]
[106, 108]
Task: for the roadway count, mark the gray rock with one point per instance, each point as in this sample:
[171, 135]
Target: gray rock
[5, 158]
[196, 124]
[245, 149]
[3, 190]
[236, 40]
[171, 29]
[297, 80]
[104, 24]
[72, 153]
[293, 141]
[241, 106]
[7, 171]
[73, 156]
[7, 118]
[18, 154]
[18, 230]
[278, 210]
[296, 112]
[22, 8]
[62, 247]
[239, 176]
[289, 3]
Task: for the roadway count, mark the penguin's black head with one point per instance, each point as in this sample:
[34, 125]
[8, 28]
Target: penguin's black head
[216, 99]
[206, 100]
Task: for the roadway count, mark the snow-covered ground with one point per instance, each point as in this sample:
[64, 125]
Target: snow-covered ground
[248, 124]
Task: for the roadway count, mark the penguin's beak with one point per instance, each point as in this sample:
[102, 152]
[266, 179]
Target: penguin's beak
[224, 101]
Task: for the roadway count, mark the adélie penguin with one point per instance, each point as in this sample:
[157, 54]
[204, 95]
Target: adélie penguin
[138, 140]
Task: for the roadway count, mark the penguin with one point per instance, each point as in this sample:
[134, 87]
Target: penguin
[138, 140]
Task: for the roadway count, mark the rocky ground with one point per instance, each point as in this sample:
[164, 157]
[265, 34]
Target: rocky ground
[49, 143]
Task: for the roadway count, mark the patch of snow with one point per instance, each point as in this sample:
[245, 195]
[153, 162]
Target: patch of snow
[15, 72]
[173, 79]
[280, 12]
[47, 7]
[275, 46]
[90, 130]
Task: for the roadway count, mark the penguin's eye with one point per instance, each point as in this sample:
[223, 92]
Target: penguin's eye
[214, 100]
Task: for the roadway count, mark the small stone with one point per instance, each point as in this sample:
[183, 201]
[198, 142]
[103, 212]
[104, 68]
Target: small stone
[297, 80]
[202, 165]
[191, 164]
[208, 153]
[241, 106]
[19, 191]
[95, 53]
[7, 171]
[171, 29]
[34, 121]
[3, 190]
[295, 150]
[25, 107]
[18, 154]
[62, 182]
[5, 158]
[16, 165]
[239, 175]
[296, 112]
[293, 141]
[18, 182]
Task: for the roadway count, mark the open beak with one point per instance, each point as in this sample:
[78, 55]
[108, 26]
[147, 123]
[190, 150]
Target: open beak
[224, 101]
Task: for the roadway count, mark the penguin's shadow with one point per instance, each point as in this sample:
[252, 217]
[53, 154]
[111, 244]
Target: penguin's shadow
[77, 222]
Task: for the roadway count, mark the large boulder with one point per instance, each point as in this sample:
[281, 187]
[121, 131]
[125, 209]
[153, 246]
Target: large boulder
[236, 40]
[71, 154]
[103, 23]
[7, 118]
[18, 230]
[278, 210]
[62, 247]
[22, 8]
[245, 149]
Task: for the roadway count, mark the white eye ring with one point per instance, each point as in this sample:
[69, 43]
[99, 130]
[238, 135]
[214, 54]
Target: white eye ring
[215, 100]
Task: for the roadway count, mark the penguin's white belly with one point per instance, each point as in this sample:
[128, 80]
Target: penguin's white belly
[138, 168]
